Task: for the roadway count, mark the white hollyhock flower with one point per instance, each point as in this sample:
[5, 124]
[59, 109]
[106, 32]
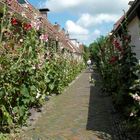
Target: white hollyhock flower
[38, 94]
[131, 114]
[136, 97]
[21, 40]
[33, 67]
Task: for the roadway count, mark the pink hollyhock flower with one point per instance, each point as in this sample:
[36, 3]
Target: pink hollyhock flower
[44, 37]
[136, 97]
[36, 24]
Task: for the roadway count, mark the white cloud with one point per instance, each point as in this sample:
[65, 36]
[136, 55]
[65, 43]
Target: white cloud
[82, 34]
[87, 20]
[74, 28]
[61, 5]
[92, 6]
[85, 28]
[91, 15]
[77, 31]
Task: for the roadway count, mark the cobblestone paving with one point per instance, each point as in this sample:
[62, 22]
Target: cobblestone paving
[80, 113]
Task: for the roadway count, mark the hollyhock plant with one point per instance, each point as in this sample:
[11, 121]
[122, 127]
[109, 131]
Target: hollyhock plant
[44, 37]
[23, 14]
[119, 69]
[113, 59]
[136, 97]
[36, 25]
[14, 21]
[117, 45]
[38, 94]
[27, 26]
[27, 76]
[127, 38]
[131, 114]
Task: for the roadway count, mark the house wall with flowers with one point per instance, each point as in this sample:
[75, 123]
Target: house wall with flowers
[38, 20]
[133, 26]
[32, 63]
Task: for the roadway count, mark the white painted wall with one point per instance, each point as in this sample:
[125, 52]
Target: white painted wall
[134, 30]
[75, 43]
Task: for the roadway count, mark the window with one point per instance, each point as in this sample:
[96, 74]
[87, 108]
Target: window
[22, 1]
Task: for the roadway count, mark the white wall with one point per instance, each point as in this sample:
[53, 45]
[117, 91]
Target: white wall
[75, 43]
[134, 30]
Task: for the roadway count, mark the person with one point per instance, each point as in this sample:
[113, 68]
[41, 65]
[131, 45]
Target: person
[89, 63]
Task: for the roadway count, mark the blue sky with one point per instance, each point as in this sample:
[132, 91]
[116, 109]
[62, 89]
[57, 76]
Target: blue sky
[85, 20]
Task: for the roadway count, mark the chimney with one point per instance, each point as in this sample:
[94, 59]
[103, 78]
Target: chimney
[56, 26]
[67, 35]
[63, 31]
[44, 12]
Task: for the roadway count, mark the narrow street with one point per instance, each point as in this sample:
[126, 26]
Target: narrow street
[46, 92]
[80, 113]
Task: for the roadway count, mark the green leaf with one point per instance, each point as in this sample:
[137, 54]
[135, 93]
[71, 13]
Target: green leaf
[22, 110]
[26, 101]
[32, 99]
[24, 91]
[15, 109]
[33, 88]
[47, 80]
[1, 94]
[6, 115]
[51, 86]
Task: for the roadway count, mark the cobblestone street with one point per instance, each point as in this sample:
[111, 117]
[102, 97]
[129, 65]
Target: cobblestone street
[80, 113]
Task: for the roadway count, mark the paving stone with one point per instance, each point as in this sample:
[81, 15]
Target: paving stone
[80, 113]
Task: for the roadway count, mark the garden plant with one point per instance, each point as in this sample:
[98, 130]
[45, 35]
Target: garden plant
[120, 70]
[31, 68]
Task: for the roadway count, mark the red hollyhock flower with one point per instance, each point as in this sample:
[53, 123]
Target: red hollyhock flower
[27, 26]
[113, 59]
[117, 45]
[127, 38]
[14, 21]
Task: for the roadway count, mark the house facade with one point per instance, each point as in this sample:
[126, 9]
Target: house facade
[133, 19]
[23, 9]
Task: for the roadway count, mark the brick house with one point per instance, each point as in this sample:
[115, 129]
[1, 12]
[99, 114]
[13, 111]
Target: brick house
[24, 9]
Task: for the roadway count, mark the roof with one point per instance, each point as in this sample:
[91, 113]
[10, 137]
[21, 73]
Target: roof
[49, 28]
[130, 14]
[117, 24]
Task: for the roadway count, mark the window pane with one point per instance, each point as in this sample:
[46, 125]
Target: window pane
[22, 1]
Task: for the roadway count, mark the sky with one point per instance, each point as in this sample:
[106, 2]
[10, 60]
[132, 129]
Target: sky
[85, 20]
